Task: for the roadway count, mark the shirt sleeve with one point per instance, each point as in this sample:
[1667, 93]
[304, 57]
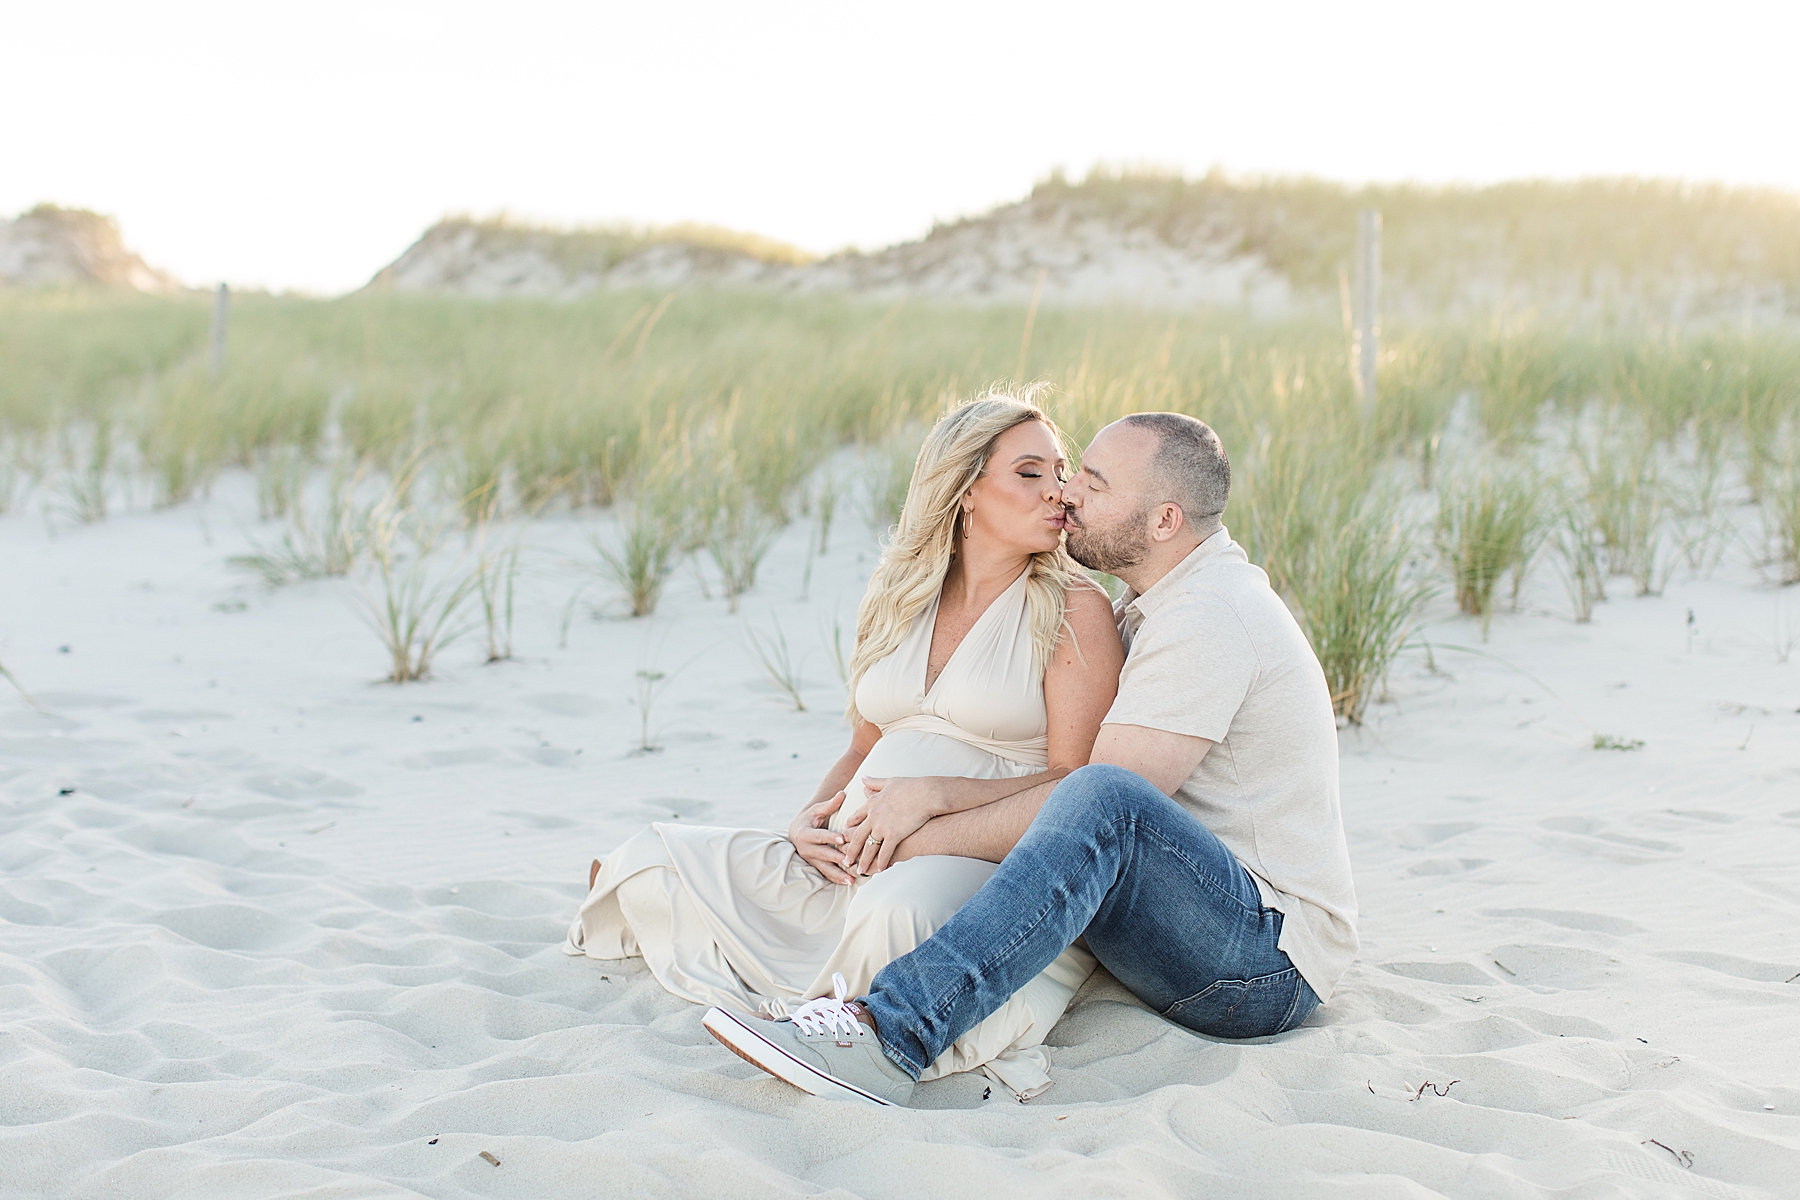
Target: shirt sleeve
[1189, 670]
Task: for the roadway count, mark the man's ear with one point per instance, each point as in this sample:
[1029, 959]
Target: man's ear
[1166, 520]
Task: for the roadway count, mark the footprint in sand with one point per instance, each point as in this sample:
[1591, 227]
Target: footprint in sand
[1418, 837]
[568, 704]
[301, 783]
[672, 809]
[1458, 973]
[462, 756]
[1564, 967]
[59, 700]
[1568, 919]
[538, 820]
[1572, 824]
[31, 720]
[1447, 866]
[550, 756]
[179, 716]
[1586, 827]
[110, 983]
[1731, 964]
[17, 911]
[233, 927]
[61, 749]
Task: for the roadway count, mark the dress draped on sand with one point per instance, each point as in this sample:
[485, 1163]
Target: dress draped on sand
[736, 917]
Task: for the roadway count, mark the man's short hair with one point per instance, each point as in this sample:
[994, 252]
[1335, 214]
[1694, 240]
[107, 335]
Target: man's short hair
[1189, 466]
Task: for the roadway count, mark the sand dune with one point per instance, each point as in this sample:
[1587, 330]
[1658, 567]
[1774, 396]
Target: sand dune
[293, 932]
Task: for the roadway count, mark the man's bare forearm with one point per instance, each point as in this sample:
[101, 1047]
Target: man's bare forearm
[956, 793]
[988, 832]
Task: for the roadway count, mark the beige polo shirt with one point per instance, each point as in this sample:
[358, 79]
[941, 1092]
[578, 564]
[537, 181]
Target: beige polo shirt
[1214, 653]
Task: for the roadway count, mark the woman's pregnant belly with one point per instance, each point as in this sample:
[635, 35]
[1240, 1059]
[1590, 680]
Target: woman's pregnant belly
[917, 752]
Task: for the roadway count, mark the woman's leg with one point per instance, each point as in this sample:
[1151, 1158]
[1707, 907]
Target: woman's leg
[721, 916]
[600, 929]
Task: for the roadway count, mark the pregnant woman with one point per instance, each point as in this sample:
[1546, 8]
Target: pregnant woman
[982, 651]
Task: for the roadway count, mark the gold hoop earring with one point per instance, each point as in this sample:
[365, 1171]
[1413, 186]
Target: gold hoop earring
[965, 523]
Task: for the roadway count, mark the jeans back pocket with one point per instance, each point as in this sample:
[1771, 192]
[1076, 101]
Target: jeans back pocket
[1247, 1008]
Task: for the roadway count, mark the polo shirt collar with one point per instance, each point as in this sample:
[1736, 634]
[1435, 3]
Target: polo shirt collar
[1165, 588]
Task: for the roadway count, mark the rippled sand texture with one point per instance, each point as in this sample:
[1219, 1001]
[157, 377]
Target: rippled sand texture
[294, 932]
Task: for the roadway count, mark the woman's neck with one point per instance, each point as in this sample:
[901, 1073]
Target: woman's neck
[978, 576]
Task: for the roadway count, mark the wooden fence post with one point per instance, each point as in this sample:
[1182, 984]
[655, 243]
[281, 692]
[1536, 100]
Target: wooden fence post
[1368, 297]
[221, 313]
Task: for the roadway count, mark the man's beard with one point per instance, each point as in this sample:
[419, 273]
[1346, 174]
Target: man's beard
[1110, 550]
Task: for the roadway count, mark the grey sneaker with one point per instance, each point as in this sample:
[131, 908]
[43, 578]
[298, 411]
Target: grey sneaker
[822, 1049]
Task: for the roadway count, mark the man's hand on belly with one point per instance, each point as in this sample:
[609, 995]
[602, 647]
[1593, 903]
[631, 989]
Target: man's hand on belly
[894, 809]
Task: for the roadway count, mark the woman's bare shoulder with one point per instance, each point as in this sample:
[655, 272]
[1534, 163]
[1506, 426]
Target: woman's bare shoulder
[1090, 617]
[1089, 601]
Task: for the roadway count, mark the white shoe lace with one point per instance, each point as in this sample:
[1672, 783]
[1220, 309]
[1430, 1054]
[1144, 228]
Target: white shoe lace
[828, 1014]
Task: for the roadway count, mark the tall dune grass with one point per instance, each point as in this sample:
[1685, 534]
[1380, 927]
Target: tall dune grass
[645, 550]
[1781, 507]
[414, 602]
[1489, 524]
[1580, 551]
[707, 414]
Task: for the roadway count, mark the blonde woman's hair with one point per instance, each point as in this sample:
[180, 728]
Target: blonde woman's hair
[913, 564]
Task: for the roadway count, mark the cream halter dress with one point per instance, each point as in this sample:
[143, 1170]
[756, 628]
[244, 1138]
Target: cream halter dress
[736, 917]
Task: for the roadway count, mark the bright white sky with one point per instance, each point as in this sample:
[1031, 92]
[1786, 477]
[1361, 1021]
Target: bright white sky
[304, 145]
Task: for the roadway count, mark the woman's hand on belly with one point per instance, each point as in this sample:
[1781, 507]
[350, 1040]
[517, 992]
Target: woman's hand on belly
[823, 849]
[894, 810]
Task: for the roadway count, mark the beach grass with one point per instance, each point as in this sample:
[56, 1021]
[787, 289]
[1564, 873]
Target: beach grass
[497, 558]
[645, 549]
[1580, 553]
[1489, 524]
[778, 661]
[1359, 598]
[321, 544]
[711, 414]
[1780, 507]
[413, 602]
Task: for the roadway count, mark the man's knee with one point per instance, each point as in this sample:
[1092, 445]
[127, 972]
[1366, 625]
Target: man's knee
[1100, 793]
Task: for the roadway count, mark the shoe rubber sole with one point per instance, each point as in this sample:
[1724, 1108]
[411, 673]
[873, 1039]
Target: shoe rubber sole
[738, 1035]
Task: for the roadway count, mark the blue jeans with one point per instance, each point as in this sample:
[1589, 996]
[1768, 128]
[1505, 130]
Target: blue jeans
[1163, 904]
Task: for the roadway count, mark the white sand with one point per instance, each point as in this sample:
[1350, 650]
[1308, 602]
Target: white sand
[292, 924]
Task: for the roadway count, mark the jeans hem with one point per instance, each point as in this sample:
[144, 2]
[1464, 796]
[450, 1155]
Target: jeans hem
[899, 1059]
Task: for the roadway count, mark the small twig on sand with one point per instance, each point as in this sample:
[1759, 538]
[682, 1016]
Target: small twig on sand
[1436, 1090]
[1791, 978]
[1506, 968]
[1684, 1157]
[10, 678]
